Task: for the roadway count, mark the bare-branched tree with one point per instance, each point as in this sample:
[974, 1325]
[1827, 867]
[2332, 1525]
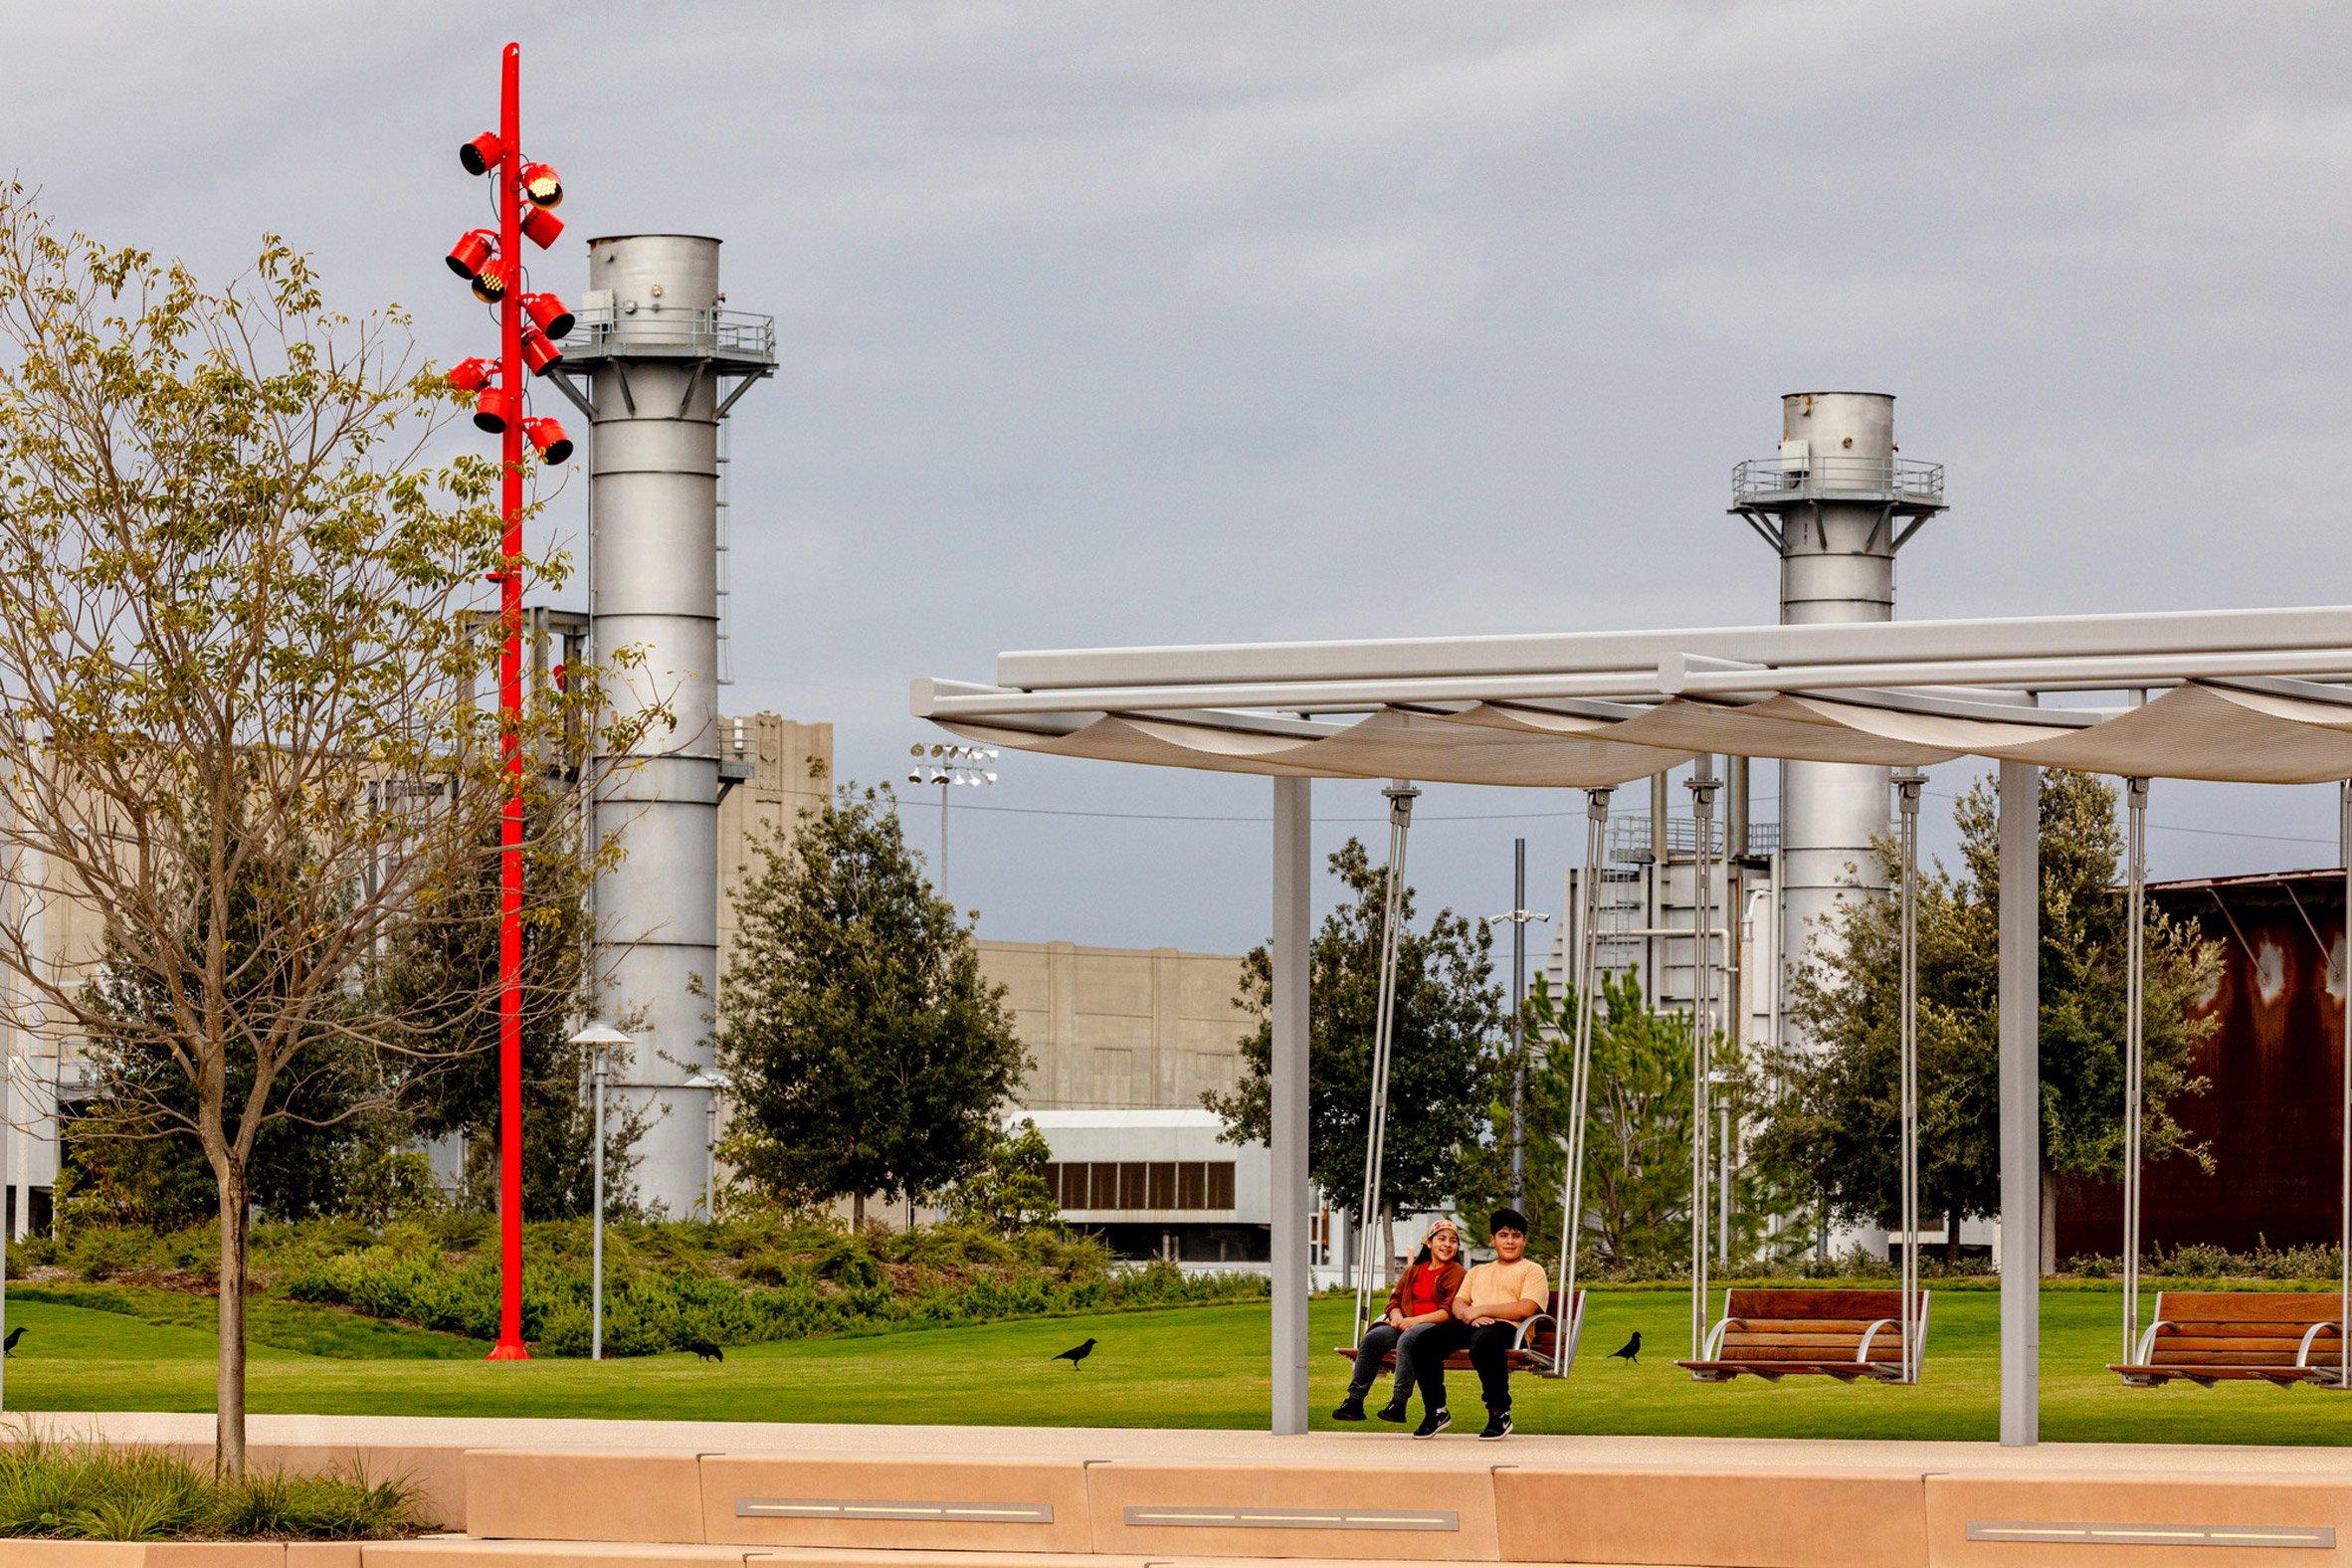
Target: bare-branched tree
[243, 725]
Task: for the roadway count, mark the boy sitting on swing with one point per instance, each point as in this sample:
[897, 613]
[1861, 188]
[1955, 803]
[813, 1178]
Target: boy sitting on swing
[1493, 1300]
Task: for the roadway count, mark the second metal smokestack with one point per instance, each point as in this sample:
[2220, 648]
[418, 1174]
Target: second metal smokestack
[1835, 501]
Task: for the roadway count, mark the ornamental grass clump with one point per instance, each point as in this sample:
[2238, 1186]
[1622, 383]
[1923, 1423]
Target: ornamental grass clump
[79, 1489]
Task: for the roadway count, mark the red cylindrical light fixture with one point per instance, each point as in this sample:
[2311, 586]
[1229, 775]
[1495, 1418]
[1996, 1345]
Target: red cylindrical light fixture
[493, 409]
[483, 150]
[541, 227]
[553, 317]
[541, 185]
[473, 253]
[472, 375]
[538, 353]
[546, 435]
[489, 285]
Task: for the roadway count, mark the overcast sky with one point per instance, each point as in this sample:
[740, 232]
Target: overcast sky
[1138, 323]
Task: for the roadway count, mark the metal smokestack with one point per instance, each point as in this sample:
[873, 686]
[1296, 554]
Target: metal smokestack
[658, 354]
[1836, 503]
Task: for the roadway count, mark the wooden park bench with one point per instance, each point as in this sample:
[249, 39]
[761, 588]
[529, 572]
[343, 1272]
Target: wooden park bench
[2211, 1336]
[1537, 1347]
[1844, 1334]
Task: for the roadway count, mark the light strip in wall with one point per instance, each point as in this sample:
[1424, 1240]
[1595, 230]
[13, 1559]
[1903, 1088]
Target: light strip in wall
[877, 1509]
[1189, 1517]
[2315, 1537]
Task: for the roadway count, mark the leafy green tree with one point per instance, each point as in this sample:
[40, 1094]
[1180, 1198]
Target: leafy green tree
[1835, 1121]
[233, 599]
[869, 1053]
[1637, 1183]
[1007, 1193]
[433, 970]
[1442, 1059]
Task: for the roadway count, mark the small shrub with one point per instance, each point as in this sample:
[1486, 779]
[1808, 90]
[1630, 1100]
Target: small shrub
[85, 1489]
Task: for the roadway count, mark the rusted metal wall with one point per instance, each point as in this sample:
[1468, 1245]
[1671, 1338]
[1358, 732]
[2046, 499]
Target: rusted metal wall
[2272, 1116]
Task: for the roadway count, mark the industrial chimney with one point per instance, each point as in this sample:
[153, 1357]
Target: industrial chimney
[659, 355]
[1836, 503]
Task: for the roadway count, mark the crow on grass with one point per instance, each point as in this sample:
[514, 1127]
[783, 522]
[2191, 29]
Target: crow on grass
[1074, 1354]
[705, 1349]
[1631, 1354]
[8, 1345]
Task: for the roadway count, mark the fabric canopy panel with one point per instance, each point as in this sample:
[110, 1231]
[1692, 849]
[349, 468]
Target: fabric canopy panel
[2276, 732]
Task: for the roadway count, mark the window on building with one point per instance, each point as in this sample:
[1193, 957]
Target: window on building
[1142, 1186]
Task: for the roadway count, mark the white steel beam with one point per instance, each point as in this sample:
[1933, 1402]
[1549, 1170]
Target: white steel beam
[2190, 632]
[1669, 676]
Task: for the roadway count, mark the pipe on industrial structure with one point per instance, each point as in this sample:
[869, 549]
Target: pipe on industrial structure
[658, 351]
[1837, 502]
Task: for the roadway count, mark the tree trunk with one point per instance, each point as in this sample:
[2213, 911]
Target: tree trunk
[857, 1211]
[1951, 1238]
[2049, 1225]
[1388, 1244]
[228, 1453]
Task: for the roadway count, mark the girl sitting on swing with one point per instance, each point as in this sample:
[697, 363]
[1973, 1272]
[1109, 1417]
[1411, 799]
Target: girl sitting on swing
[1422, 1301]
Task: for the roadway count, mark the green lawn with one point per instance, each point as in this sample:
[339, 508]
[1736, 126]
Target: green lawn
[1186, 1367]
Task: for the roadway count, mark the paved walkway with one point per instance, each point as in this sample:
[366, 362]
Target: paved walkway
[1127, 1443]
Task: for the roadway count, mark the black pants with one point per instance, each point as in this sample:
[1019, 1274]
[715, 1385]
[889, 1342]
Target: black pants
[1489, 1348]
[1379, 1340]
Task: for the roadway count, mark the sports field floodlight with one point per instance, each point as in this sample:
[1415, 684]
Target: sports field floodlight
[489, 285]
[493, 409]
[539, 353]
[541, 185]
[545, 434]
[551, 314]
[480, 155]
[473, 252]
[472, 375]
[541, 227]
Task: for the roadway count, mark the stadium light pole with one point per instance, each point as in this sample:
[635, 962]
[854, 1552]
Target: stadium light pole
[950, 765]
[602, 1040]
[523, 193]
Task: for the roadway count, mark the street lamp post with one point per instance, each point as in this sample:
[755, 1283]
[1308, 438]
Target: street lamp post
[602, 1040]
[1519, 917]
[948, 766]
[491, 262]
[715, 1084]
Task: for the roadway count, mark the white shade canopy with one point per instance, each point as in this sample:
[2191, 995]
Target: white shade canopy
[2228, 696]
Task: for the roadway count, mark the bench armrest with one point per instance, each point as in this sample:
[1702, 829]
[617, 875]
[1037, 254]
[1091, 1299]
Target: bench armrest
[1862, 1352]
[1711, 1348]
[2303, 1350]
[2148, 1339]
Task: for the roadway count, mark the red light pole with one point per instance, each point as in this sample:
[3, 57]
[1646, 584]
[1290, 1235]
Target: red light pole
[500, 399]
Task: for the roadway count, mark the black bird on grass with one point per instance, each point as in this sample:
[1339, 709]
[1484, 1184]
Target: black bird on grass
[705, 1349]
[1631, 1353]
[1075, 1353]
[8, 1345]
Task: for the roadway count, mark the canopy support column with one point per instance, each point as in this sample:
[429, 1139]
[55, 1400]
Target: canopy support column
[2135, 1046]
[1294, 882]
[2021, 1104]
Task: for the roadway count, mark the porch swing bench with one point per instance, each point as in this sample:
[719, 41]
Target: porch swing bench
[1537, 1347]
[2213, 1336]
[1844, 1334]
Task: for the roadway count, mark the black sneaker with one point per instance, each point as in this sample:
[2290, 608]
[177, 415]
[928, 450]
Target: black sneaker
[1349, 1410]
[1499, 1424]
[1433, 1423]
[1394, 1410]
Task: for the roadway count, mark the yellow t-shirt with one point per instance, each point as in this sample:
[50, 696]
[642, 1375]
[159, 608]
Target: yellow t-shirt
[1494, 1285]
